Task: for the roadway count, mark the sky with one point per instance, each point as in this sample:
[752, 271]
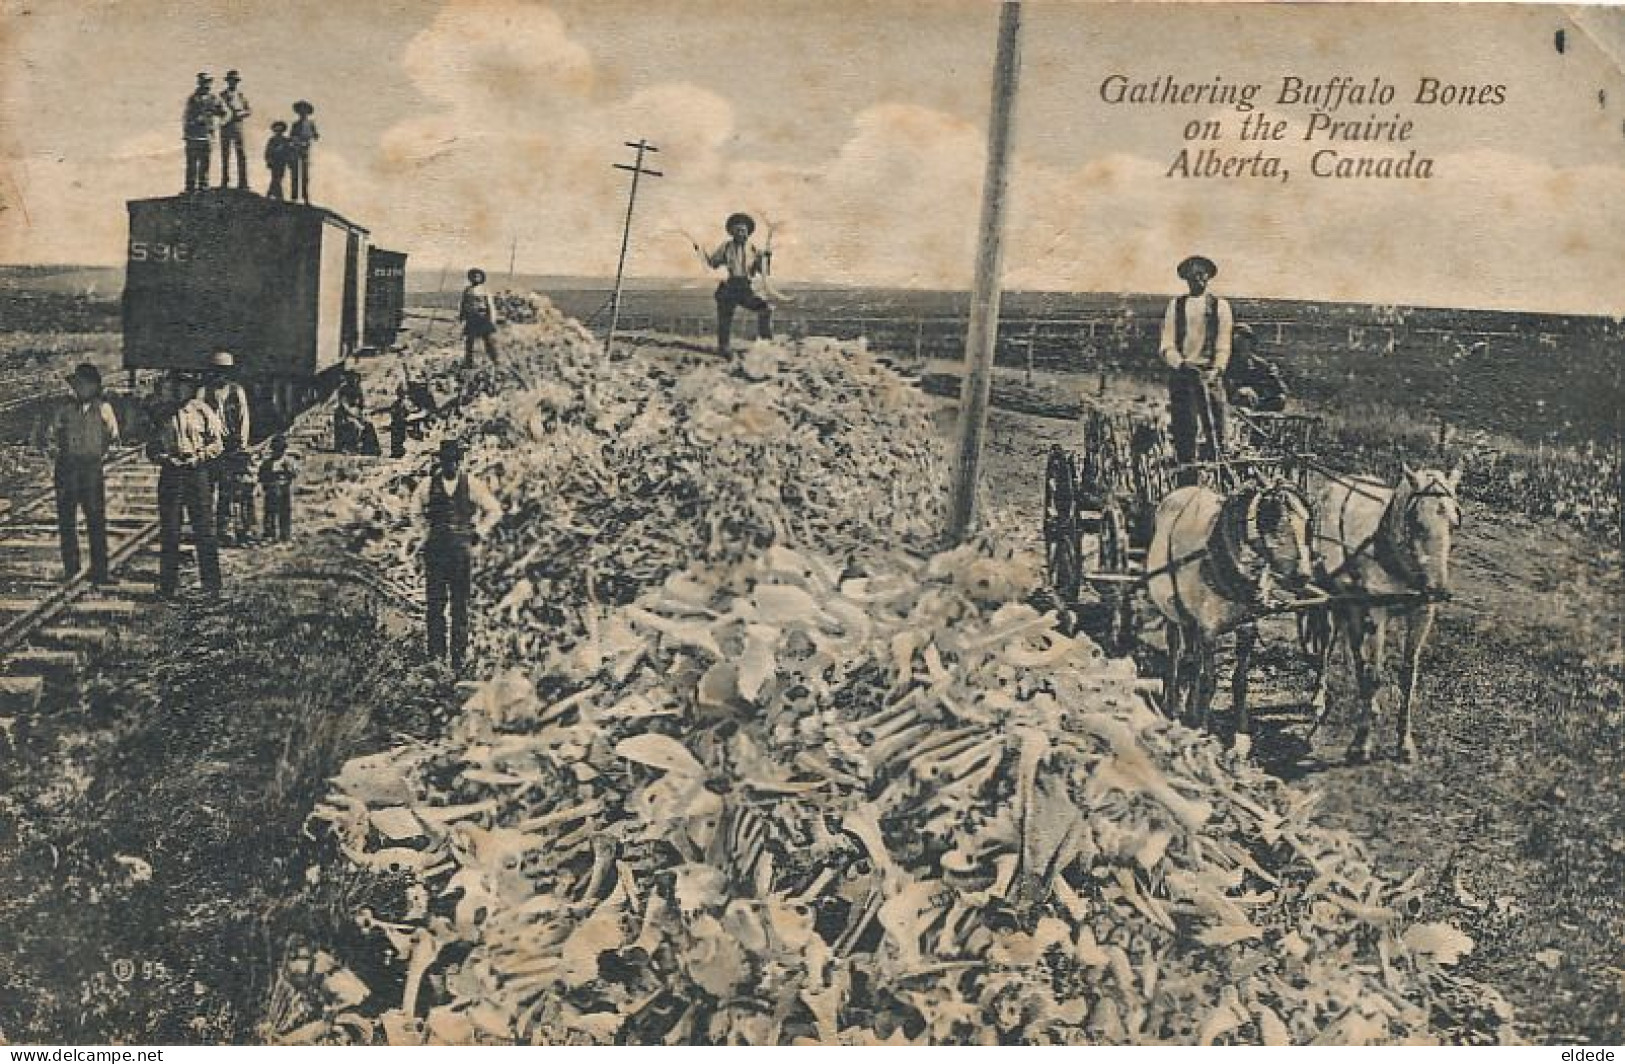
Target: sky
[457, 129]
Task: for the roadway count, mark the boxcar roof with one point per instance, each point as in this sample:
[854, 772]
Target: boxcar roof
[244, 199]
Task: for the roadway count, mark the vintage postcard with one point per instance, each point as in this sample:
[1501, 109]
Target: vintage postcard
[895, 522]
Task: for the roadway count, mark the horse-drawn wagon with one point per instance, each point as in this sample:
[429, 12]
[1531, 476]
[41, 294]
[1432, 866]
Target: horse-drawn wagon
[1100, 502]
[1219, 544]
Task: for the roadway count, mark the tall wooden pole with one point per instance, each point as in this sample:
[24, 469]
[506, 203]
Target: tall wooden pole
[626, 233]
[984, 308]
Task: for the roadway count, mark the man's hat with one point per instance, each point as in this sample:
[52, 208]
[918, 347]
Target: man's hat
[279, 126]
[1194, 261]
[222, 360]
[740, 218]
[231, 75]
[450, 449]
[203, 76]
[476, 275]
[84, 371]
[303, 107]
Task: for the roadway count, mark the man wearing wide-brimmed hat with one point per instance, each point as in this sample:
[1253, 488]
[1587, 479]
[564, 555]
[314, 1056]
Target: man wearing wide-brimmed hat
[478, 313]
[1196, 346]
[198, 123]
[80, 434]
[189, 437]
[457, 510]
[743, 261]
[235, 106]
[301, 137]
[229, 480]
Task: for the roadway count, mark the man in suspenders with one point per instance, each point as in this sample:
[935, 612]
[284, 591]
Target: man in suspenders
[1196, 347]
[457, 510]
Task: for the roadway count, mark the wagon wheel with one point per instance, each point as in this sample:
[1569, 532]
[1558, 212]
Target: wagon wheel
[1119, 598]
[1062, 539]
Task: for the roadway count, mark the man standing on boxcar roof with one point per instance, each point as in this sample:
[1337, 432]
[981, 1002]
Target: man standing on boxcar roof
[80, 435]
[235, 105]
[203, 113]
[1196, 347]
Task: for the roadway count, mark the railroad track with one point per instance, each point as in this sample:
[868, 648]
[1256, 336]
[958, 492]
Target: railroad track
[48, 624]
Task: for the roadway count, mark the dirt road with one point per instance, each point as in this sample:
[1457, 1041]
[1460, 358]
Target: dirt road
[1516, 810]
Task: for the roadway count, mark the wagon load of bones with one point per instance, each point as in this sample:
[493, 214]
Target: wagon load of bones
[755, 766]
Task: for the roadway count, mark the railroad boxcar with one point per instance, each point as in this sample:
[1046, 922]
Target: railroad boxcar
[386, 298]
[282, 286]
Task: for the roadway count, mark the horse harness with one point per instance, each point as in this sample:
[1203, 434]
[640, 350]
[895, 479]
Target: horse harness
[1385, 542]
[1236, 536]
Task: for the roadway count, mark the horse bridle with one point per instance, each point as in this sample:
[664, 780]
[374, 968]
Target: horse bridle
[1392, 550]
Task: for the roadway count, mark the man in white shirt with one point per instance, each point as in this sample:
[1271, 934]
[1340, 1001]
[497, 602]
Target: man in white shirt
[189, 437]
[1196, 347]
[743, 261]
[79, 436]
[230, 484]
[457, 511]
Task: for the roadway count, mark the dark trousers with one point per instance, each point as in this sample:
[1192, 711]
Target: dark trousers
[299, 174]
[231, 144]
[279, 512]
[476, 333]
[79, 486]
[1189, 400]
[184, 494]
[448, 567]
[197, 165]
[275, 191]
[735, 292]
[233, 495]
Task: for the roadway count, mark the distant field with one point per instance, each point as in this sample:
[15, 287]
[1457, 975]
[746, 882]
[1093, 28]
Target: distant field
[1551, 378]
[1536, 377]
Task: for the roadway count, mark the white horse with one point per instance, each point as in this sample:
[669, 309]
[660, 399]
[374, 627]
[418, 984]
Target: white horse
[1385, 553]
[1210, 569]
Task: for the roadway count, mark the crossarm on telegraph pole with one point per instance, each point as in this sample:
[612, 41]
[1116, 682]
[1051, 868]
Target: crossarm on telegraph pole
[637, 170]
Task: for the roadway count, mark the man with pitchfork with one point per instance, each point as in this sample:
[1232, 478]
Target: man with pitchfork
[745, 286]
[1196, 333]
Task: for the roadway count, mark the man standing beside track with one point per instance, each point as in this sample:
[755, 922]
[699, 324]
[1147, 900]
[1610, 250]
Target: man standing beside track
[230, 482]
[1196, 347]
[80, 434]
[457, 510]
[189, 437]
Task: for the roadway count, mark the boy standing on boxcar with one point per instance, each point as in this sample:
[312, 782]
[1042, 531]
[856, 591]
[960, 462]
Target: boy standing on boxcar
[478, 313]
[189, 437]
[278, 150]
[203, 113]
[277, 474]
[457, 510]
[80, 435]
[235, 106]
[300, 139]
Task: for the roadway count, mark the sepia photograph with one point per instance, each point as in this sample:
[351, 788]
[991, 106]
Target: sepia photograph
[874, 522]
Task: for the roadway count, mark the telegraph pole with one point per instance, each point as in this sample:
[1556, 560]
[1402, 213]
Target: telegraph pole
[984, 308]
[637, 170]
